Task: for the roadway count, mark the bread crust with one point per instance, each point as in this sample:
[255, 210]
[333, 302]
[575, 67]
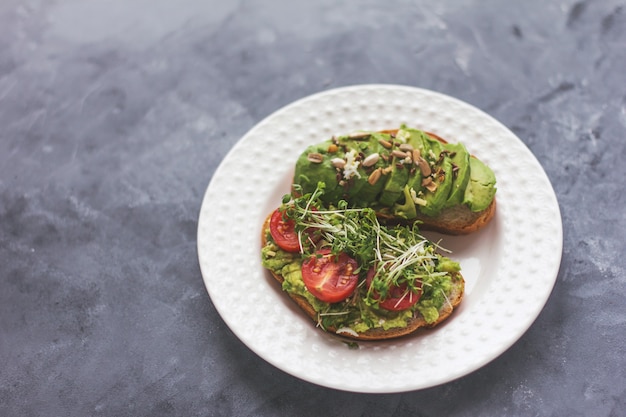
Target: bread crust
[457, 220]
[414, 324]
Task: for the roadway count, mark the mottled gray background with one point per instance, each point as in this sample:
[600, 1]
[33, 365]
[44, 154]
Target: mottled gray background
[115, 114]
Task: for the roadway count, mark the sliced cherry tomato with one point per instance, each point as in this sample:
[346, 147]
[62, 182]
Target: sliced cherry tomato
[330, 278]
[398, 296]
[284, 232]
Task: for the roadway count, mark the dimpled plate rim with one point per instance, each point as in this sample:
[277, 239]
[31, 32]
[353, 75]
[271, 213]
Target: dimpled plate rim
[505, 291]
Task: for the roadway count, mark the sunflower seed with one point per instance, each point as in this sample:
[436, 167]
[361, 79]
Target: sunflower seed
[385, 143]
[424, 167]
[398, 154]
[432, 187]
[315, 157]
[338, 162]
[416, 155]
[359, 135]
[374, 176]
[371, 160]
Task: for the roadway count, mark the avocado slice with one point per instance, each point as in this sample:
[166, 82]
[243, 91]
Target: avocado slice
[417, 139]
[362, 193]
[356, 183]
[460, 172]
[405, 209]
[308, 173]
[405, 206]
[443, 178]
[481, 186]
[396, 180]
[441, 167]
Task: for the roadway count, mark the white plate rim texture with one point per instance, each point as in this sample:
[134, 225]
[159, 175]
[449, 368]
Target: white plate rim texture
[510, 266]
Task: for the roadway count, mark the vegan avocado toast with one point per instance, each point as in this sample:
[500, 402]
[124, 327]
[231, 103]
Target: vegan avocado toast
[345, 244]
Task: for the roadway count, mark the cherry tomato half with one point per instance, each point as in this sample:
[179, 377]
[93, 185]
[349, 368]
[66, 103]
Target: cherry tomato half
[330, 278]
[283, 232]
[397, 296]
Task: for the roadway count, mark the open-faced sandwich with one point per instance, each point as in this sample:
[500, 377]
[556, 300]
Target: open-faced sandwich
[345, 244]
[405, 175]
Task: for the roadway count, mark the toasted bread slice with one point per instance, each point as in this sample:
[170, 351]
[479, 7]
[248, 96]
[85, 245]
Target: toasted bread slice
[414, 324]
[457, 219]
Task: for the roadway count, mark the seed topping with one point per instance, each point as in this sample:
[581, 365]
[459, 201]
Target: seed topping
[424, 167]
[374, 176]
[432, 187]
[315, 157]
[370, 160]
[359, 135]
[385, 143]
[338, 162]
[398, 154]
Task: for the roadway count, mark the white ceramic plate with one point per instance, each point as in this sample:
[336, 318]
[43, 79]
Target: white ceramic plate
[510, 266]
